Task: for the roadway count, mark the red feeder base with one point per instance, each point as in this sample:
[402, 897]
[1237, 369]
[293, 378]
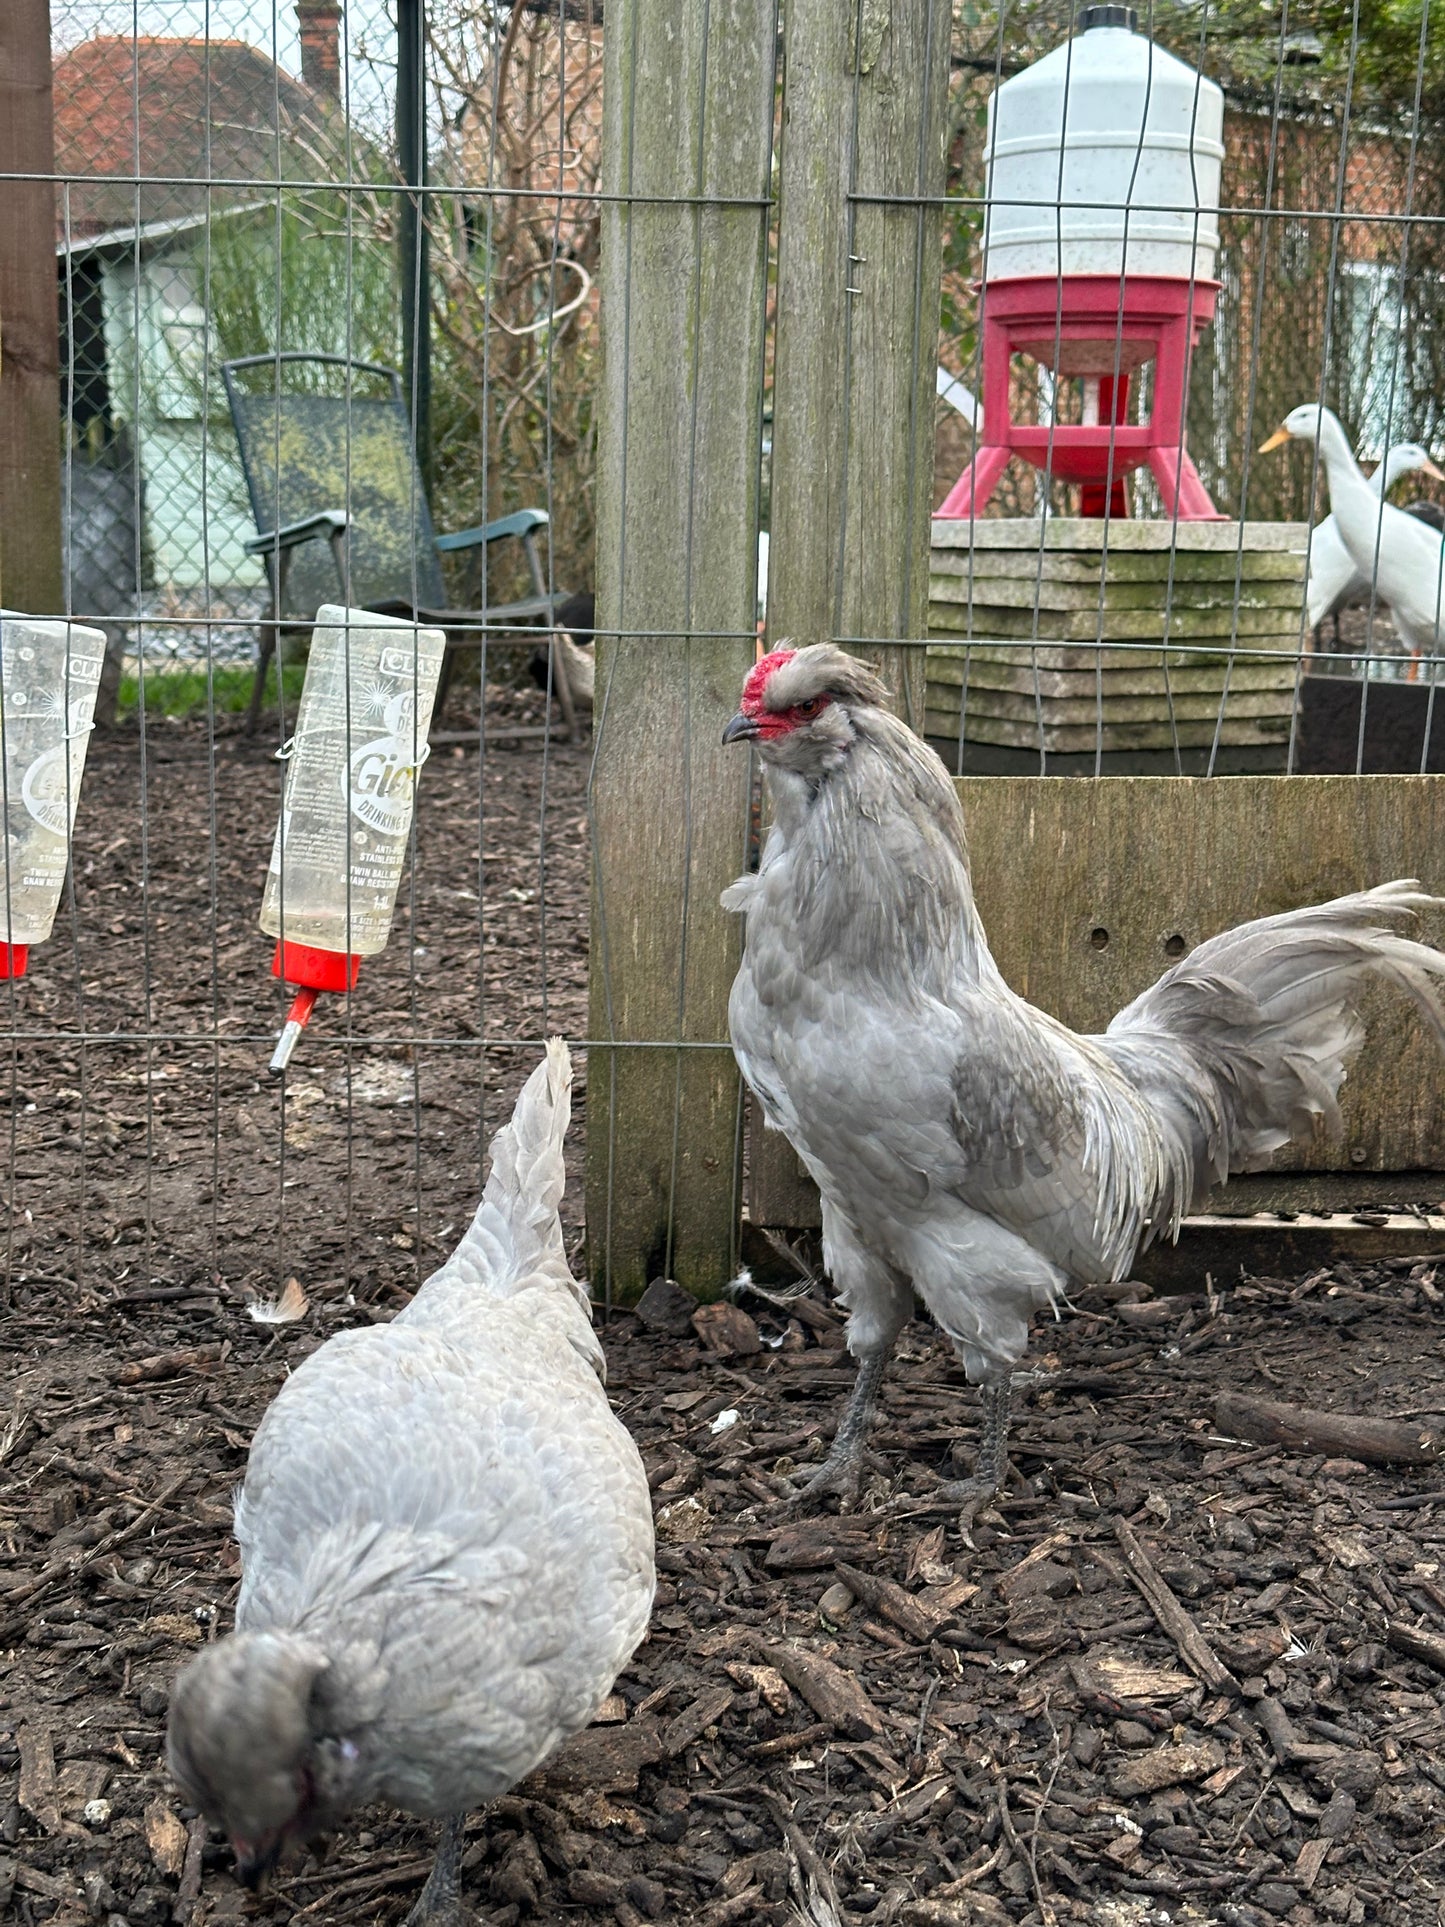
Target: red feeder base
[1103, 328]
[14, 958]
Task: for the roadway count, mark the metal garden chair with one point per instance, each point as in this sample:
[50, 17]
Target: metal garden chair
[339, 505]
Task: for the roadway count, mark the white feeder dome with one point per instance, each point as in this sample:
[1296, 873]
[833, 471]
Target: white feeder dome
[1104, 158]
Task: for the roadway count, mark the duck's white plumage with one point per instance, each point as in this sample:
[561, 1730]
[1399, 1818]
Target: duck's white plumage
[1403, 556]
[1334, 579]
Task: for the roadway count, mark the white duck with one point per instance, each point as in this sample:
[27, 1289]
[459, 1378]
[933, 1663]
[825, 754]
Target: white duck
[1334, 579]
[1402, 555]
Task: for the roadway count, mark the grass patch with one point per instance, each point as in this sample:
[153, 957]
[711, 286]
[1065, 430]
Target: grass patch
[186, 691]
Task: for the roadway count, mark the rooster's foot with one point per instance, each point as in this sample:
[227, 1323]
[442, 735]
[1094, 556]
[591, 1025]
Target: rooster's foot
[440, 1902]
[840, 1476]
[971, 1496]
[990, 1465]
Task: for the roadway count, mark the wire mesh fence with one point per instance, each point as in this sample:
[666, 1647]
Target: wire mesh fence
[234, 188]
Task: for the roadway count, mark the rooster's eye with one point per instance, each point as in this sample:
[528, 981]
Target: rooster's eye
[809, 708]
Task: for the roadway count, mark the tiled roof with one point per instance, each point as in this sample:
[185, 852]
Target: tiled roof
[187, 110]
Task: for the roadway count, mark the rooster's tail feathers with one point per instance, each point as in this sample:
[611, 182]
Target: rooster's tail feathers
[516, 1235]
[1248, 1039]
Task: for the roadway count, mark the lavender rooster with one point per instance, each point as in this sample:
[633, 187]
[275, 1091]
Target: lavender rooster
[967, 1146]
[446, 1545]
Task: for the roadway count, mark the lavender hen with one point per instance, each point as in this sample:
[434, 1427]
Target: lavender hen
[967, 1147]
[446, 1544]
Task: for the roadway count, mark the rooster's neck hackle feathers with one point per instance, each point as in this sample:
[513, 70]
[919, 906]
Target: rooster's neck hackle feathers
[871, 852]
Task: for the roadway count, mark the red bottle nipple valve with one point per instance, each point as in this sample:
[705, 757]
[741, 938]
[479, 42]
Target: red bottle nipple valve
[314, 971]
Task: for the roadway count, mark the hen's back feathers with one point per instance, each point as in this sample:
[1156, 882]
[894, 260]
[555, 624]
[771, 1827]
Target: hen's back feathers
[1248, 1039]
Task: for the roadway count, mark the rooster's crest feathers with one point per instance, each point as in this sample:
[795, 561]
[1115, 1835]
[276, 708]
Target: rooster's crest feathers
[788, 677]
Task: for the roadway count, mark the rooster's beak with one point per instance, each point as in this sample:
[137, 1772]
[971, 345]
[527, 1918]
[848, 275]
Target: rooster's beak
[1276, 440]
[741, 729]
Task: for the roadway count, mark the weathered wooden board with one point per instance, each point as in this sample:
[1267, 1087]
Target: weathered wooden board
[1085, 887]
[1119, 537]
[949, 661]
[1122, 565]
[985, 592]
[1141, 679]
[1070, 739]
[1181, 623]
[1145, 859]
[683, 293]
[1060, 712]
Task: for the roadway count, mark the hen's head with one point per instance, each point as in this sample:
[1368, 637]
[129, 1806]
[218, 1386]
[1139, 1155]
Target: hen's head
[251, 1744]
[801, 707]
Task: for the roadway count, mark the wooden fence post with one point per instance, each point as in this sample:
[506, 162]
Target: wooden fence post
[30, 500]
[865, 125]
[860, 262]
[687, 138]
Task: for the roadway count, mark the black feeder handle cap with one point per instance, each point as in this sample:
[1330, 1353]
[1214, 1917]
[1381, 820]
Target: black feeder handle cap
[1124, 17]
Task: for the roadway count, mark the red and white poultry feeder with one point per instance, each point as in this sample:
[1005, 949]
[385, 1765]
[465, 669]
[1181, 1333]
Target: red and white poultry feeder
[1100, 242]
[351, 772]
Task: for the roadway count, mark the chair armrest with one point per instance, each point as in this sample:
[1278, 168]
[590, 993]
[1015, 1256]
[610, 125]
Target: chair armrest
[329, 523]
[525, 522]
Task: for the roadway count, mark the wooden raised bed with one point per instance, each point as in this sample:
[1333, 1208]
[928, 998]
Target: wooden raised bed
[1121, 636]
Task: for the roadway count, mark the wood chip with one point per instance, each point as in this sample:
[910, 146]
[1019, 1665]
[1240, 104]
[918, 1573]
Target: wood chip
[1225, 1778]
[1415, 1643]
[1310, 1859]
[885, 1596]
[1339, 1435]
[1194, 1648]
[166, 1838]
[1165, 1766]
[808, 1545]
[37, 1778]
[835, 1696]
[766, 1681]
[727, 1330]
[1027, 1577]
[705, 1711]
[1130, 1679]
[605, 1759]
[191, 1358]
[799, 1742]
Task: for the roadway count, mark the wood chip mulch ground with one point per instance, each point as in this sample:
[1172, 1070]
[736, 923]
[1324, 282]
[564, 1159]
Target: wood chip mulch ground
[1176, 1677]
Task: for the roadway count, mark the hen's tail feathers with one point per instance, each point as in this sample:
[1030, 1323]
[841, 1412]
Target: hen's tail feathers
[1239, 1047]
[516, 1235]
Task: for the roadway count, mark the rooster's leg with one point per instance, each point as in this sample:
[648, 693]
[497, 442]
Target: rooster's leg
[990, 1462]
[440, 1902]
[841, 1473]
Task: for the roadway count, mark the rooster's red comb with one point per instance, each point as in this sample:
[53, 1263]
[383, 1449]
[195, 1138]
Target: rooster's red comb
[757, 679]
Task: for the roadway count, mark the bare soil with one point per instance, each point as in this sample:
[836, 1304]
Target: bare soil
[859, 1719]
